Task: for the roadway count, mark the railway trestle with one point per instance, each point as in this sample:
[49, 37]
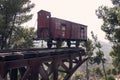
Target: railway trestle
[40, 64]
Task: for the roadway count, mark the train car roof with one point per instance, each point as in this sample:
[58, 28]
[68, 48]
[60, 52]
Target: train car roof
[69, 21]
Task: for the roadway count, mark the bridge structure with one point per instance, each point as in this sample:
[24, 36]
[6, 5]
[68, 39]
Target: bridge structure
[40, 64]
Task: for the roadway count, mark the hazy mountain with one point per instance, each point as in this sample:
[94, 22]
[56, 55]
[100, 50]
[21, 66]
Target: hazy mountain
[106, 48]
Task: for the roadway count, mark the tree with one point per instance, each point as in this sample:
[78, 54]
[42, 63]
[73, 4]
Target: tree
[98, 72]
[78, 76]
[89, 47]
[13, 13]
[111, 26]
[23, 38]
[99, 58]
[111, 77]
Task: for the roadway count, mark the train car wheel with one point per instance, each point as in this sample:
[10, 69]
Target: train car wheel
[77, 44]
[68, 43]
[49, 43]
[59, 44]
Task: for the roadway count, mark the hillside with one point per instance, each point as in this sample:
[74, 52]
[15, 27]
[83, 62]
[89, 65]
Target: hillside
[106, 48]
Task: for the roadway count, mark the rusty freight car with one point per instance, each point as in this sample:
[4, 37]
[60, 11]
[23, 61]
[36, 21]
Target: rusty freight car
[54, 29]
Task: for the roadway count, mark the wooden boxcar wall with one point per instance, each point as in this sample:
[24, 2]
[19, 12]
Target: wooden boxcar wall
[55, 28]
[43, 24]
[66, 30]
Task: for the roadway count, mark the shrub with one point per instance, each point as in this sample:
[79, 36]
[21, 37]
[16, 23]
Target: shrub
[111, 77]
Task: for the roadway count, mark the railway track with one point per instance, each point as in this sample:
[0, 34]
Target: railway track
[15, 54]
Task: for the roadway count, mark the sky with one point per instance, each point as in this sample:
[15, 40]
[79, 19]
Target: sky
[79, 11]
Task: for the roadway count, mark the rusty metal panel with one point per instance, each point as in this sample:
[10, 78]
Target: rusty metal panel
[83, 30]
[60, 29]
[52, 27]
[43, 19]
[43, 24]
[43, 33]
[85, 34]
[75, 32]
[55, 28]
[68, 29]
[78, 32]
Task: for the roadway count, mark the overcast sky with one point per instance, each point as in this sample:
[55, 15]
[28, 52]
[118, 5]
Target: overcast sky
[80, 11]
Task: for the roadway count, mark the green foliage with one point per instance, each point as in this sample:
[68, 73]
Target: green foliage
[13, 13]
[78, 76]
[110, 16]
[114, 71]
[109, 71]
[98, 72]
[115, 53]
[23, 38]
[111, 77]
[111, 26]
[89, 47]
[99, 58]
[117, 35]
[116, 2]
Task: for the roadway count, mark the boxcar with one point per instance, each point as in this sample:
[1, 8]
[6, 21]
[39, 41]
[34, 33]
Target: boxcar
[54, 29]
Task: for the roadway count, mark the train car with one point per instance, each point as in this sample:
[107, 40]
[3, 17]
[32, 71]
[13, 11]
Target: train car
[53, 29]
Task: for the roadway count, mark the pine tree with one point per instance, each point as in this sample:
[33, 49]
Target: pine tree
[13, 13]
[111, 26]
